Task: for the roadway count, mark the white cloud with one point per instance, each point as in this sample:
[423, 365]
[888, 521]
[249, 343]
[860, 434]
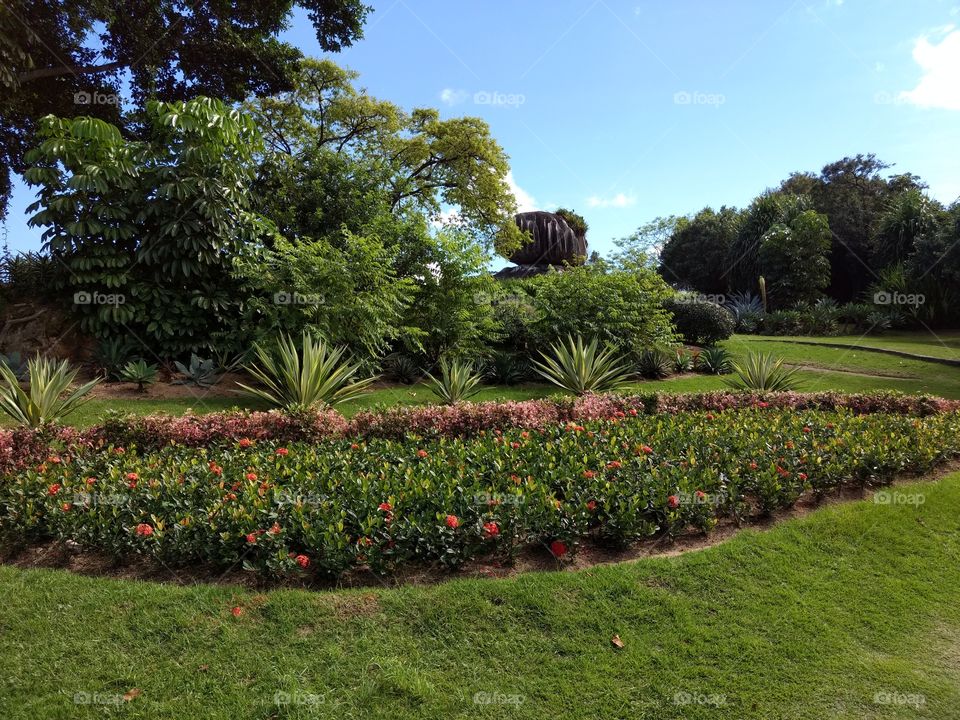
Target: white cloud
[619, 201]
[939, 86]
[525, 201]
[451, 96]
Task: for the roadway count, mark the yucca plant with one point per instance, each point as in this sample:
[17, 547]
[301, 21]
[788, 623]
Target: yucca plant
[300, 378]
[48, 397]
[764, 372]
[458, 381]
[582, 368]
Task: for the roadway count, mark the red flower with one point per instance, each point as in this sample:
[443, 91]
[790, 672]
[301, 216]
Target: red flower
[214, 468]
[709, 416]
[558, 548]
[673, 502]
[144, 530]
[231, 496]
[66, 507]
[806, 429]
[802, 476]
[236, 611]
[91, 480]
[385, 506]
[119, 450]
[753, 466]
[133, 476]
[588, 474]
[251, 476]
[245, 442]
[252, 538]
[422, 453]
[514, 445]
[591, 505]
[354, 446]
[633, 412]
[614, 465]
[700, 494]
[763, 404]
[54, 459]
[282, 451]
[275, 529]
[453, 522]
[302, 560]
[524, 434]
[646, 449]
[491, 529]
[54, 489]
[789, 444]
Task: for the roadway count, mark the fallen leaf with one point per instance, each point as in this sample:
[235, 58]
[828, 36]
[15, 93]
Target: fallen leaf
[616, 642]
[131, 694]
[203, 668]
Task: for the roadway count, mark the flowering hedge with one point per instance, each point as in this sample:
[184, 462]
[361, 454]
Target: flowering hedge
[325, 508]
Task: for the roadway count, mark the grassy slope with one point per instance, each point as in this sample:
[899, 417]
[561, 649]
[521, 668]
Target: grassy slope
[808, 620]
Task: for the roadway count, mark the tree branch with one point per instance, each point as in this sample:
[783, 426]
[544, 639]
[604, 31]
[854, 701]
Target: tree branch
[69, 70]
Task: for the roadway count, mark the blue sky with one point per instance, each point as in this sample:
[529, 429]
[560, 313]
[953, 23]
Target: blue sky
[627, 110]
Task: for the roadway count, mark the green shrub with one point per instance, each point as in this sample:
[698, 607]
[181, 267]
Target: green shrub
[683, 361]
[507, 368]
[202, 372]
[700, 322]
[47, 399]
[582, 368]
[403, 368]
[296, 379]
[619, 308]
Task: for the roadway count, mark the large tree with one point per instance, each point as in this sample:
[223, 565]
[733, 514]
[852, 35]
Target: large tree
[697, 252]
[56, 55]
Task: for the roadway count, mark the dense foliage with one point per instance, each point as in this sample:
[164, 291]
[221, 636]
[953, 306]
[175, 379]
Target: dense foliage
[332, 507]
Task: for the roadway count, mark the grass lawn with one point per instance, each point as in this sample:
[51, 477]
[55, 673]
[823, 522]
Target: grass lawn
[811, 619]
[823, 369]
[940, 343]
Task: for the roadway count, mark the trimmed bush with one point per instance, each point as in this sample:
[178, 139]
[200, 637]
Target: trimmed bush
[700, 322]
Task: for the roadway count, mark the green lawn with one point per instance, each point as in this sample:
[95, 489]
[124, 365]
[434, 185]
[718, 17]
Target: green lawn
[811, 619]
[826, 368]
[939, 343]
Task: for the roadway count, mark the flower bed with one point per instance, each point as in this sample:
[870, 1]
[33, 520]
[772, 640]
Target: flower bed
[326, 508]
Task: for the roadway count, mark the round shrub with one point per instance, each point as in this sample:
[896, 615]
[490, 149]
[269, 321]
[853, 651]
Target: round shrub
[700, 322]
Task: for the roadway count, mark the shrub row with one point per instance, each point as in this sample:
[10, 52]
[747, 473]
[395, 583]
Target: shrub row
[330, 507]
[19, 448]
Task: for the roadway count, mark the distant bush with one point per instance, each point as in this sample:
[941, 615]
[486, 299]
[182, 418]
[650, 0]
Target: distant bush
[700, 322]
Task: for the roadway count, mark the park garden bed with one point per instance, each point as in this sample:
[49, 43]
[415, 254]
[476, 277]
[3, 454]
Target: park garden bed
[285, 503]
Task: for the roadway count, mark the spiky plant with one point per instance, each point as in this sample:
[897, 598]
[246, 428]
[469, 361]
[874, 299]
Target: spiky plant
[583, 367]
[298, 378]
[48, 397]
[764, 372]
[654, 363]
[139, 372]
[714, 360]
[458, 381]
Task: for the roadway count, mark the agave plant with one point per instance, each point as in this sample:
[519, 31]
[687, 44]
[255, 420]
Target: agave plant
[582, 368]
[139, 372]
[403, 368]
[48, 397]
[764, 372]
[202, 372]
[457, 382]
[16, 362]
[714, 360]
[683, 361]
[113, 354]
[300, 378]
[507, 368]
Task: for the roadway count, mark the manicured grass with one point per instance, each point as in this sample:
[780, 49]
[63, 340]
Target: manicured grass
[939, 343]
[809, 620]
